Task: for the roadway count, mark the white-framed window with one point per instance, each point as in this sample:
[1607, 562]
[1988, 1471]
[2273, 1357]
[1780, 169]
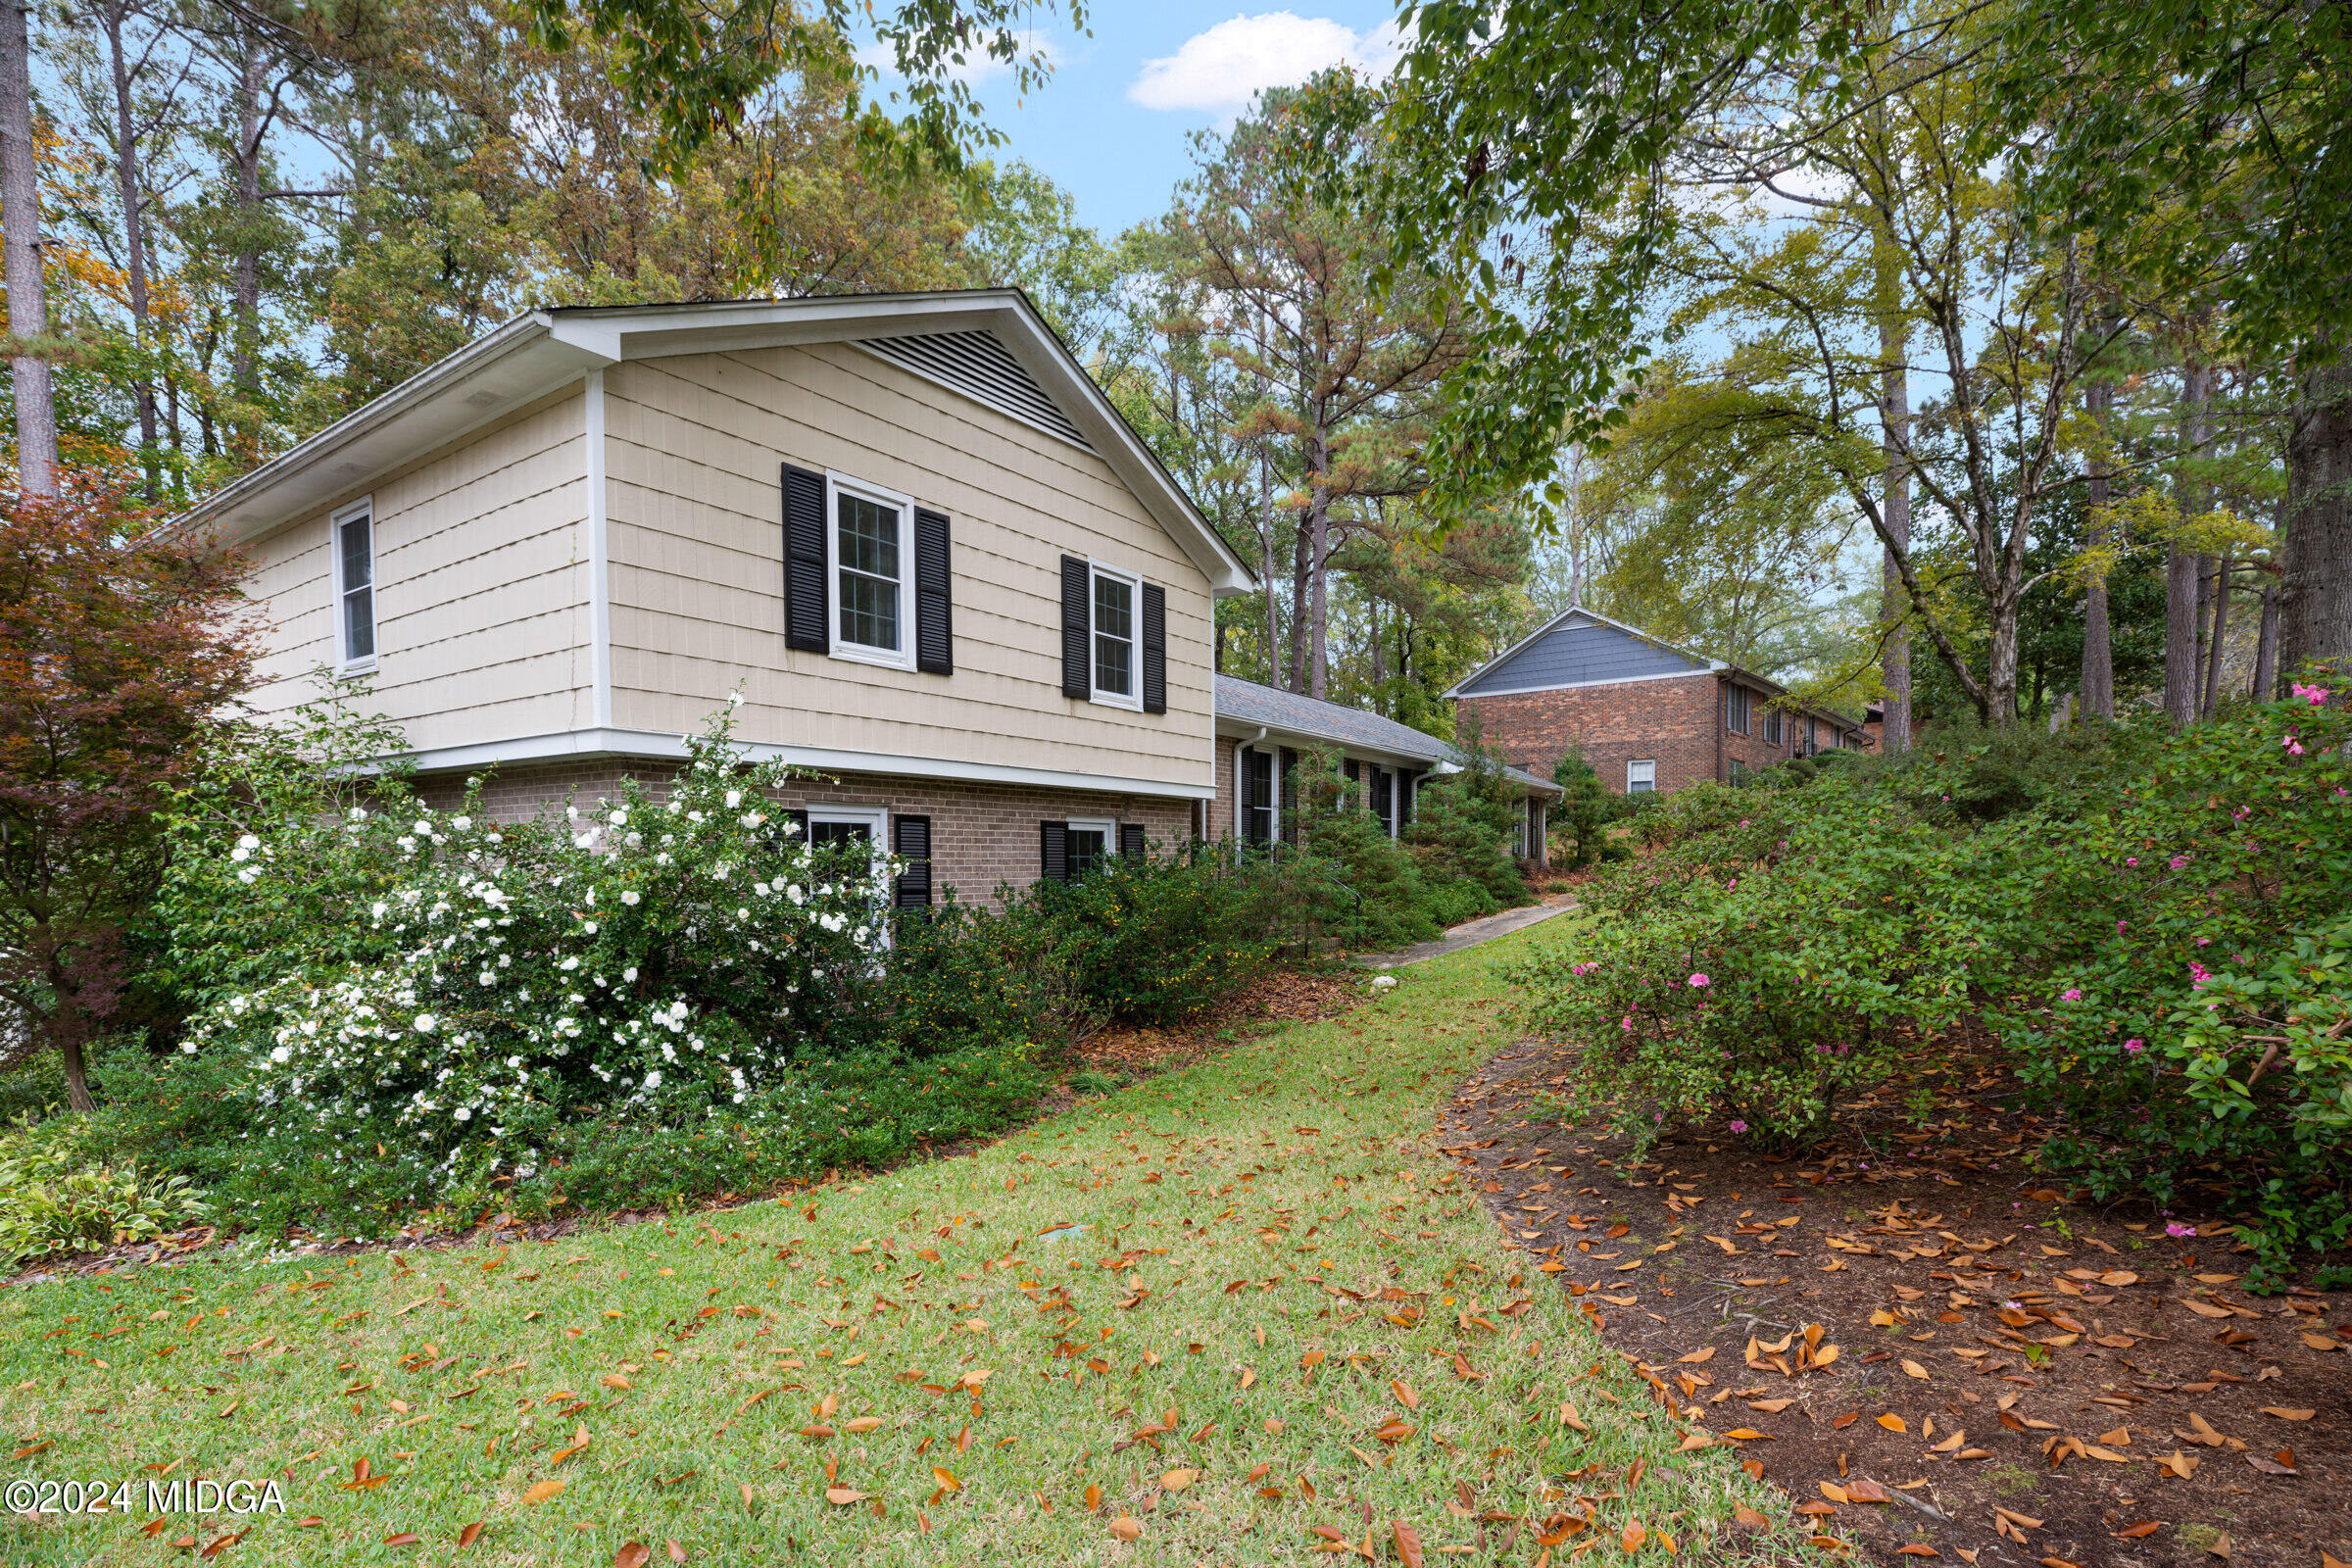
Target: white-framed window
[1114, 651]
[1735, 710]
[351, 540]
[1092, 842]
[866, 827]
[1641, 776]
[869, 556]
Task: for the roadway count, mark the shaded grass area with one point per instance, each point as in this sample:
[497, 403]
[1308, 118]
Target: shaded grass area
[1191, 1322]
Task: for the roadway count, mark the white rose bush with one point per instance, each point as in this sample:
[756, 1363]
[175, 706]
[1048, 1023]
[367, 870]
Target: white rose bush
[445, 1008]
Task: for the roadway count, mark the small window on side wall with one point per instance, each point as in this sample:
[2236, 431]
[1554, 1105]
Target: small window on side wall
[1117, 669]
[1641, 776]
[1735, 710]
[351, 539]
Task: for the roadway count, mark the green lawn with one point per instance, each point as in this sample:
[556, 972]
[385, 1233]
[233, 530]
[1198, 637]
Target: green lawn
[1189, 1323]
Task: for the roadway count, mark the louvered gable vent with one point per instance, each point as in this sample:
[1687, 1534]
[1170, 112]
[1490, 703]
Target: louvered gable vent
[982, 368]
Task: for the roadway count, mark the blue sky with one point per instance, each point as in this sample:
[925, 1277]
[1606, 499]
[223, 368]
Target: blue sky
[1112, 126]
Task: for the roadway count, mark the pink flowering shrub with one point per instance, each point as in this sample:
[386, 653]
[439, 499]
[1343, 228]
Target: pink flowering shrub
[2158, 927]
[1744, 969]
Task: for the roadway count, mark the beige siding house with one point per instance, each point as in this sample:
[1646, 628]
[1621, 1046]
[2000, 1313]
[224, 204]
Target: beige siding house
[937, 565]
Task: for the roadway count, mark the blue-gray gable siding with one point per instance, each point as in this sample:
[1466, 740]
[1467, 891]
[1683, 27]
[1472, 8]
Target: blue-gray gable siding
[1576, 651]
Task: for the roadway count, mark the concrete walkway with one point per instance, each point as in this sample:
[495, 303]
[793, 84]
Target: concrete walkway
[1469, 934]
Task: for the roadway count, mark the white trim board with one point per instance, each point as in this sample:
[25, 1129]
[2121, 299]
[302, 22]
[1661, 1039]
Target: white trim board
[585, 744]
[1581, 685]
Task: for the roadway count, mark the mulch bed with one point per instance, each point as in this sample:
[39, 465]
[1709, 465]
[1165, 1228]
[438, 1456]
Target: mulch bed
[1925, 1345]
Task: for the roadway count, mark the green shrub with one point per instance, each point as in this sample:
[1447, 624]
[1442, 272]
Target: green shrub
[58, 1196]
[1362, 890]
[1579, 822]
[1155, 941]
[1462, 825]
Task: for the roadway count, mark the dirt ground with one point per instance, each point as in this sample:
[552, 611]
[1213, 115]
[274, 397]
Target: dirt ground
[1927, 1348]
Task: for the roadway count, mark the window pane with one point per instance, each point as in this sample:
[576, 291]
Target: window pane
[870, 538]
[1112, 666]
[358, 624]
[1114, 636]
[869, 611]
[358, 568]
[1088, 849]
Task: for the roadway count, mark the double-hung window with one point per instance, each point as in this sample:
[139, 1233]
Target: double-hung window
[869, 553]
[352, 538]
[1772, 726]
[1735, 710]
[1641, 776]
[1118, 670]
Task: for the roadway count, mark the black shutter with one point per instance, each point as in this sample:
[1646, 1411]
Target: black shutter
[805, 596]
[1155, 649]
[1077, 622]
[1131, 842]
[910, 841]
[1404, 800]
[934, 607]
[1384, 785]
[1290, 796]
[1054, 851]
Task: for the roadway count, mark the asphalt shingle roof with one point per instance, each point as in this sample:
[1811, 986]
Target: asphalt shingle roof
[1245, 702]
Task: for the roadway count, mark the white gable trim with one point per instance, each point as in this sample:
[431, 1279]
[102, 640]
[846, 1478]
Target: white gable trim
[1579, 685]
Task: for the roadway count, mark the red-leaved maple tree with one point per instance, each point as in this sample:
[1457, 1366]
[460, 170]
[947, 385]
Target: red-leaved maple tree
[117, 642]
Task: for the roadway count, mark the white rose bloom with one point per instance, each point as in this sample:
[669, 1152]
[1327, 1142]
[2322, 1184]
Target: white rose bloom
[628, 898]
[427, 1023]
[282, 1054]
[425, 826]
[630, 973]
[358, 813]
[653, 1080]
[734, 799]
[250, 874]
[619, 819]
[248, 842]
[462, 1113]
[240, 853]
[461, 823]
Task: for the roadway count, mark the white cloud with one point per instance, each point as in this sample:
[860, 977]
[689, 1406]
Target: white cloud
[979, 66]
[1221, 69]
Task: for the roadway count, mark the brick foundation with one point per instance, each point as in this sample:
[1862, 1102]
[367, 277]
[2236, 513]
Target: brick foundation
[982, 835]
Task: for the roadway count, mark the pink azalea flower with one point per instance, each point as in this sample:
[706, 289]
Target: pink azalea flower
[2135, 1046]
[1738, 1126]
[2294, 747]
[1699, 982]
[2178, 860]
[1627, 1024]
[2316, 696]
[2070, 994]
[2177, 1229]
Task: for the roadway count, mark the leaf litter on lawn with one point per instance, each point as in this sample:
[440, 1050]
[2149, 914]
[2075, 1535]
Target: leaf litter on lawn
[2004, 1355]
[1217, 1312]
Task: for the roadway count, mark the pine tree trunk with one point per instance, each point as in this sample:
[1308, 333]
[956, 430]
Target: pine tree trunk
[2098, 643]
[1298, 633]
[2315, 624]
[245, 275]
[130, 184]
[2265, 649]
[1319, 669]
[27, 291]
[2218, 634]
[1265, 521]
[2180, 565]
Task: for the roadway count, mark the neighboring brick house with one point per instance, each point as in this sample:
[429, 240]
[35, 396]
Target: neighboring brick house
[1647, 715]
[935, 561]
[1261, 733]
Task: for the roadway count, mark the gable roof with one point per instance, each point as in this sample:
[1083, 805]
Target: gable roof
[1554, 657]
[1243, 705]
[988, 344]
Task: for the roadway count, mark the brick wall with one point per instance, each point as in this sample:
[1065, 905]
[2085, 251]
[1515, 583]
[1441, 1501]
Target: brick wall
[1672, 722]
[981, 833]
[1676, 722]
